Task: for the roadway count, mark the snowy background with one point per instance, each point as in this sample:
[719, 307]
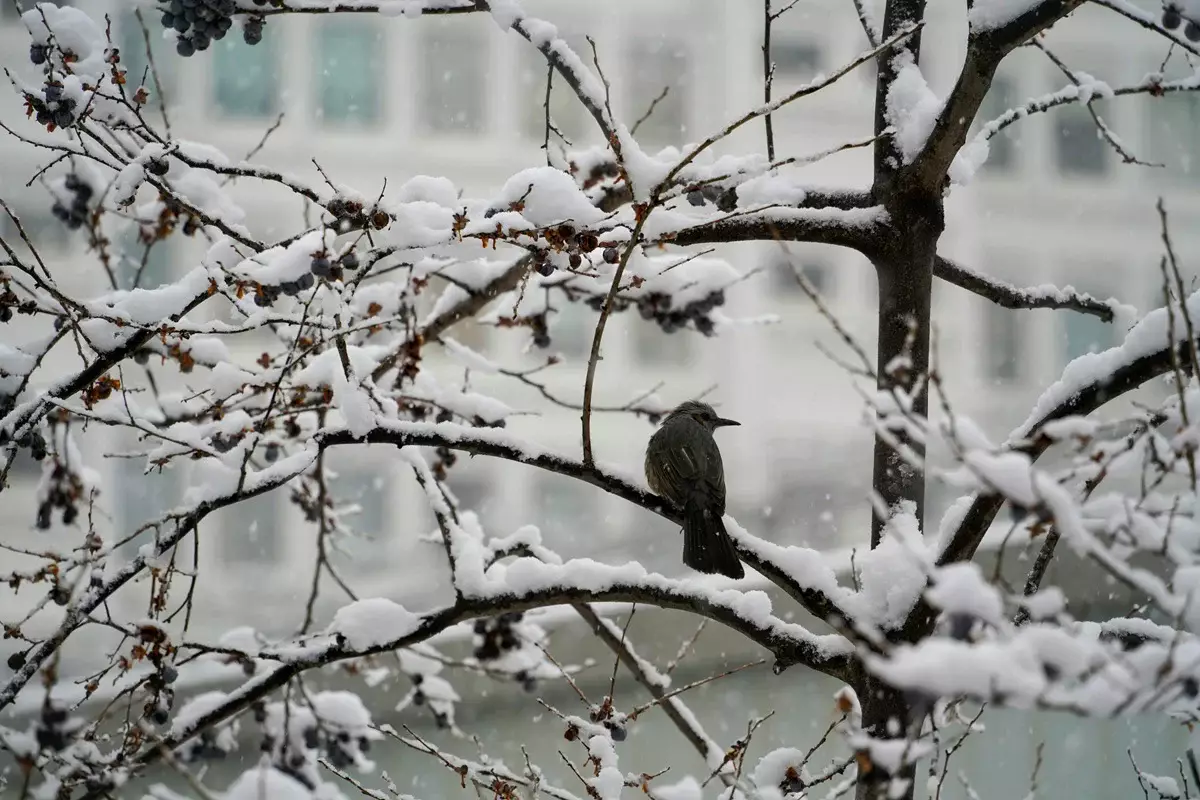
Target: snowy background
[369, 97]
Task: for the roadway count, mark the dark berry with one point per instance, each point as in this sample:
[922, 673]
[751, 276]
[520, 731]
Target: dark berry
[142, 357]
[1192, 31]
[1171, 18]
[611, 255]
[169, 674]
[185, 48]
[311, 738]
[60, 595]
[38, 53]
[306, 281]
[481, 626]
[545, 269]
[576, 260]
[158, 166]
[16, 661]
[617, 732]
[696, 198]
[252, 33]
[53, 93]
[350, 260]
[63, 118]
[322, 267]
[271, 452]
[418, 698]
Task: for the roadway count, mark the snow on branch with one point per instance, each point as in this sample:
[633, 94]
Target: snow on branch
[378, 628]
[1087, 383]
[1009, 296]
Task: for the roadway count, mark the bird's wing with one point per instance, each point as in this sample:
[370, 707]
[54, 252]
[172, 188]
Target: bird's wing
[687, 460]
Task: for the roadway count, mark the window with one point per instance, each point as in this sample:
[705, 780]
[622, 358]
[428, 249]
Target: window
[1002, 344]
[1085, 334]
[132, 44]
[1173, 121]
[143, 267]
[139, 498]
[1001, 97]
[359, 497]
[351, 56]
[654, 64]
[43, 230]
[1078, 146]
[804, 513]
[571, 329]
[567, 515]
[451, 96]
[249, 533]
[655, 347]
[245, 77]
[783, 275]
[566, 111]
[795, 61]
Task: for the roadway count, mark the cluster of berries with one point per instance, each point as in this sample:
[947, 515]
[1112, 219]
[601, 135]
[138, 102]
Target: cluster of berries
[52, 107]
[199, 23]
[1173, 17]
[656, 306]
[420, 698]
[64, 493]
[33, 441]
[160, 683]
[203, 748]
[327, 269]
[350, 215]
[76, 214]
[576, 244]
[55, 728]
[494, 637]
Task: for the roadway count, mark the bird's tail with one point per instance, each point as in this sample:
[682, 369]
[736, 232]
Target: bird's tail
[706, 546]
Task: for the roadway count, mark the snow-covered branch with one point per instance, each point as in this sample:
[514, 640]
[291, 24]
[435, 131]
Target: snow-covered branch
[1008, 296]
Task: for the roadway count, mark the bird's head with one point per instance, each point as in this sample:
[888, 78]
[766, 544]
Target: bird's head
[699, 412]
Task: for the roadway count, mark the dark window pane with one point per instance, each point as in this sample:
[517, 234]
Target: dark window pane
[571, 329]
[245, 77]
[140, 498]
[350, 59]
[359, 497]
[453, 79]
[249, 532]
[654, 347]
[566, 111]
[795, 61]
[1086, 334]
[1174, 127]
[817, 272]
[1002, 147]
[654, 64]
[132, 43]
[1078, 146]
[1002, 342]
[145, 267]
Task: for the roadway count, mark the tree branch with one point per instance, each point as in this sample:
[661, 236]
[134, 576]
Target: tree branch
[1009, 296]
[986, 48]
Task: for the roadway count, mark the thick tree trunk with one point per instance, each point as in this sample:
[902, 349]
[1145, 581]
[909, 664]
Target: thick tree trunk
[905, 279]
[904, 267]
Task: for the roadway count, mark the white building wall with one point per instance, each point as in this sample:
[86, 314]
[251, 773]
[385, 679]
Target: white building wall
[799, 467]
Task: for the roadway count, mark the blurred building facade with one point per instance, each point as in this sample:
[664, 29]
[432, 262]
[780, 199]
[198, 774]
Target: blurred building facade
[369, 98]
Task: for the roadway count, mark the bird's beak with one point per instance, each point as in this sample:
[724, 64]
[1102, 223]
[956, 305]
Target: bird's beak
[721, 423]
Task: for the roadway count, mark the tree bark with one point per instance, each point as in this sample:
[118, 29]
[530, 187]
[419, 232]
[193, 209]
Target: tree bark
[904, 262]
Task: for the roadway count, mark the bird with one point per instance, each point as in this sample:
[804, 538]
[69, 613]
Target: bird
[683, 466]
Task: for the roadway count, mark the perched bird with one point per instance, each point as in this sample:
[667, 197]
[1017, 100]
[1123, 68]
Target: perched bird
[683, 465]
